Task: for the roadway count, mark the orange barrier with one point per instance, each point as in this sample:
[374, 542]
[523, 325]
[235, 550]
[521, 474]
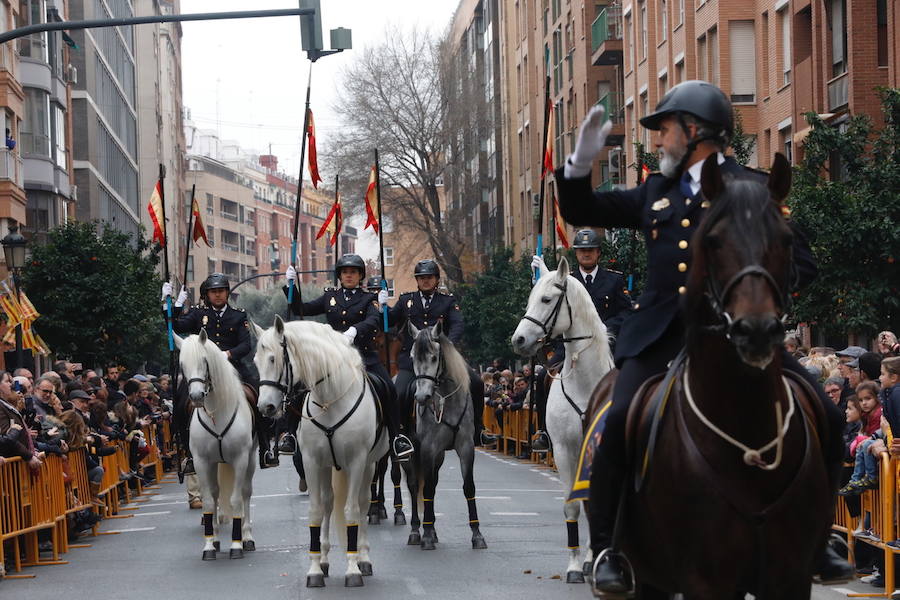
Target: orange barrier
[514, 435]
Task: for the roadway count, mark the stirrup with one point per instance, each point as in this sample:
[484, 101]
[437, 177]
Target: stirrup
[609, 555]
[540, 443]
[488, 439]
[404, 455]
[187, 467]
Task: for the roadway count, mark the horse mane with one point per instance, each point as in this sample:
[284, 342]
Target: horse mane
[319, 351]
[220, 370]
[454, 363]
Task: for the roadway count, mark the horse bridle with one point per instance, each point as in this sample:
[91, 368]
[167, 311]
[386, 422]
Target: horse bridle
[206, 381]
[287, 373]
[548, 325]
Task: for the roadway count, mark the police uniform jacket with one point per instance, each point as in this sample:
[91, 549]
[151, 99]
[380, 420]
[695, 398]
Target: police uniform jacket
[230, 332]
[344, 309]
[410, 307]
[668, 220]
[609, 295]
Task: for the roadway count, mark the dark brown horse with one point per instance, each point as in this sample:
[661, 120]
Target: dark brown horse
[733, 497]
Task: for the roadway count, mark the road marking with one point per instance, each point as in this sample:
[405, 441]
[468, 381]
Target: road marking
[415, 588]
[514, 514]
[153, 514]
[164, 503]
[130, 530]
[841, 590]
[493, 497]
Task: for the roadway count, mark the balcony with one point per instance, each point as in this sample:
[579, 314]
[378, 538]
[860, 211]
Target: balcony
[613, 103]
[11, 168]
[606, 37]
[839, 92]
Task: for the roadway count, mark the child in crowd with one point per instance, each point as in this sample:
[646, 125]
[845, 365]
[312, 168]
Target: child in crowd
[852, 436]
[865, 474]
[890, 399]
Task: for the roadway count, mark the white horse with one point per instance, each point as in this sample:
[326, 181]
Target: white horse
[340, 432]
[560, 307]
[221, 440]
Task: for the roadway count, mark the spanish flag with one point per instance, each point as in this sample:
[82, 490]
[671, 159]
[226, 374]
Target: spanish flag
[372, 200]
[548, 149]
[155, 208]
[333, 222]
[560, 224]
[313, 158]
[199, 230]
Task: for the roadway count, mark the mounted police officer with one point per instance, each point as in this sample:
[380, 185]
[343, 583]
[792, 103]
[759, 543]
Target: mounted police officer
[424, 308]
[354, 312]
[694, 120]
[229, 329]
[608, 293]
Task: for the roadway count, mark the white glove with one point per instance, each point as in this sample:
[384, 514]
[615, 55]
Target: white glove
[225, 354]
[291, 273]
[537, 262]
[166, 290]
[382, 297]
[591, 141]
[351, 334]
[182, 297]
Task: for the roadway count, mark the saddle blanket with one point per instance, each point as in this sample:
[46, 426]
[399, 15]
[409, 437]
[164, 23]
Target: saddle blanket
[582, 483]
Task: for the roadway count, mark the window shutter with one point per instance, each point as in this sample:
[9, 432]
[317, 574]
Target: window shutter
[743, 61]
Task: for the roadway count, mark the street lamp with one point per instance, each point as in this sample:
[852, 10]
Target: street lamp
[14, 251]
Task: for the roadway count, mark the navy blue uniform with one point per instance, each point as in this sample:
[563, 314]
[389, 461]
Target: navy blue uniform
[652, 334]
[230, 332]
[609, 295]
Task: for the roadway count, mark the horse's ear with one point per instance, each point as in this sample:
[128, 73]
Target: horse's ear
[562, 269]
[780, 178]
[413, 330]
[178, 340]
[436, 331]
[203, 336]
[279, 325]
[257, 330]
[711, 183]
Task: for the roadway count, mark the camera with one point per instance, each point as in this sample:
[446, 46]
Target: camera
[17, 386]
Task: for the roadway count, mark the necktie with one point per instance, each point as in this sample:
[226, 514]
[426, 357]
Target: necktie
[685, 185]
[427, 301]
[348, 294]
[588, 280]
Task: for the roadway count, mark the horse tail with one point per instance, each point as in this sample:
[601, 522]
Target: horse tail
[226, 485]
[340, 488]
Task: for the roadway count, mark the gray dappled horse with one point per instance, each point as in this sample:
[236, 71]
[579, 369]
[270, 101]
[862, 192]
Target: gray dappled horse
[443, 422]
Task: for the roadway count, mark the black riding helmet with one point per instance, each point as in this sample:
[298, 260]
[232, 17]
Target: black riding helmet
[373, 284]
[426, 267]
[586, 238]
[350, 260]
[698, 98]
[216, 281]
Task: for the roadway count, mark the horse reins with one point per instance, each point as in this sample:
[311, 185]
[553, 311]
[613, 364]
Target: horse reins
[329, 431]
[207, 388]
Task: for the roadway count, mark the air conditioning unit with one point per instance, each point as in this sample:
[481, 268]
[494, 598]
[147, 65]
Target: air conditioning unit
[71, 74]
[615, 160]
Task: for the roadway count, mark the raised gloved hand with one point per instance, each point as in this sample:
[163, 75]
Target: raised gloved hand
[225, 354]
[351, 333]
[166, 290]
[591, 140]
[182, 297]
[291, 273]
[538, 264]
[382, 297]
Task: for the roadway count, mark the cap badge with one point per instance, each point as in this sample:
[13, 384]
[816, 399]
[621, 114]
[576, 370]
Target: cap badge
[660, 204]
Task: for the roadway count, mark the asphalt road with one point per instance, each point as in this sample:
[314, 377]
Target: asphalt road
[158, 549]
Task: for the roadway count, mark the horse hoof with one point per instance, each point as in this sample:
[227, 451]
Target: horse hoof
[574, 577]
[586, 568]
[209, 555]
[399, 519]
[414, 539]
[324, 567]
[366, 569]
[427, 543]
[315, 581]
[353, 581]
[374, 519]
[478, 543]
[217, 546]
[236, 553]
[249, 546]
[382, 512]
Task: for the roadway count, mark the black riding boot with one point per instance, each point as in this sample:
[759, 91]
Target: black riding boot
[264, 426]
[476, 387]
[606, 488]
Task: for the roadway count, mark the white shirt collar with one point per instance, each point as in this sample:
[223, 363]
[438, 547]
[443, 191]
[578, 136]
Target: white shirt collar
[695, 169]
[221, 312]
[593, 273]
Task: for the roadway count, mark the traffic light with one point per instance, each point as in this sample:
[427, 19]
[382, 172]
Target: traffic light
[311, 26]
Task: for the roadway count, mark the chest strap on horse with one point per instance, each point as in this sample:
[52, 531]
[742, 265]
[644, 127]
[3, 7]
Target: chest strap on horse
[329, 431]
[581, 413]
[219, 436]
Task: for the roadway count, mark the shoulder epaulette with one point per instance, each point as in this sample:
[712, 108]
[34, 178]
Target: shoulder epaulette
[330, 289]
[240, 310]
[616, 272]
[407, 294]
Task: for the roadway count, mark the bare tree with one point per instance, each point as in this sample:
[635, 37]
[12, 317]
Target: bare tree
[402, 98]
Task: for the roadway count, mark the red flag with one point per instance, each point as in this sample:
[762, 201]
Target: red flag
[155, 208]
[560, 224]
[548, 150]
[371, 200]
[199, 230]
[333, 222]
[313, 159]
[645, 173]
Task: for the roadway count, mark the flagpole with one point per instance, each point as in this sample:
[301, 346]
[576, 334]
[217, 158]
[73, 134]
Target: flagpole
[384, 311]
[190, 233]
[299, 200]
[335, 237]
[553, 244]
[162, 201]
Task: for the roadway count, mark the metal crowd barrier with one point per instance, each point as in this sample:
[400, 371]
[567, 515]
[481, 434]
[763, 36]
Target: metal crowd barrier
[514, 434]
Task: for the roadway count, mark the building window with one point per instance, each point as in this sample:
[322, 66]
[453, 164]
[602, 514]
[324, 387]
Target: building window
[59, 136]
[787, 142]
[190, 268]
[629, 35]
[679, 71]
[742, 40]
[784, 17]
[713, 59]
[33, 12]
[838, 23]
[663, 20]
[390, 287]
[388, 256]
[881, 10]
[663, 84]
[680, 13]
[701, 59]
[35, 128]
[211, 235]
[643, 30]
[210, 205]
[645, 110]
[765, 55]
